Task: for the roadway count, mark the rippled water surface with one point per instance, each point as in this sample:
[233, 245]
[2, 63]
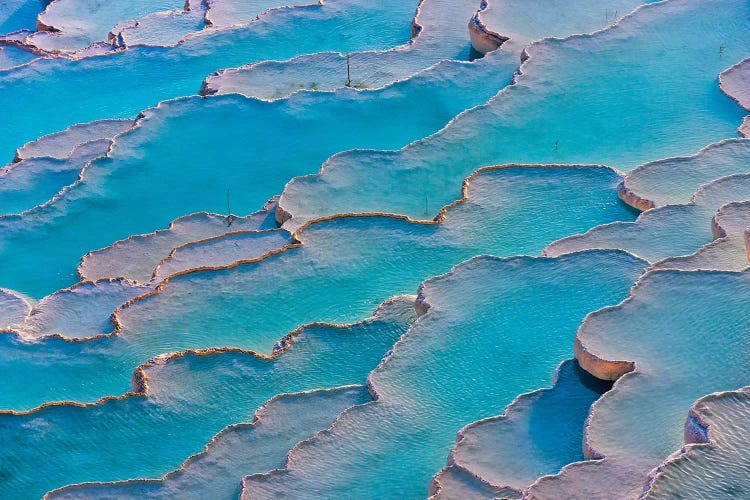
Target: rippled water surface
[438, 248]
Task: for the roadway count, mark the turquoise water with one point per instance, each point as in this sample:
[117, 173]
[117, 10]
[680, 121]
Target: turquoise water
[670, 230]
[681, 352]
[129, 185]
[189, 399]
[385, 256]
[580, 100]
[259, 445]
[537, 434]
[56, 88]
[477, 328]
[34, 181]
[11, 57]
[162, 336]
[442, 37]
[19, 14]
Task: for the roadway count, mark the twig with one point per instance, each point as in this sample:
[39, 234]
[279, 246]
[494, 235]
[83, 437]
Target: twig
[348, 72]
